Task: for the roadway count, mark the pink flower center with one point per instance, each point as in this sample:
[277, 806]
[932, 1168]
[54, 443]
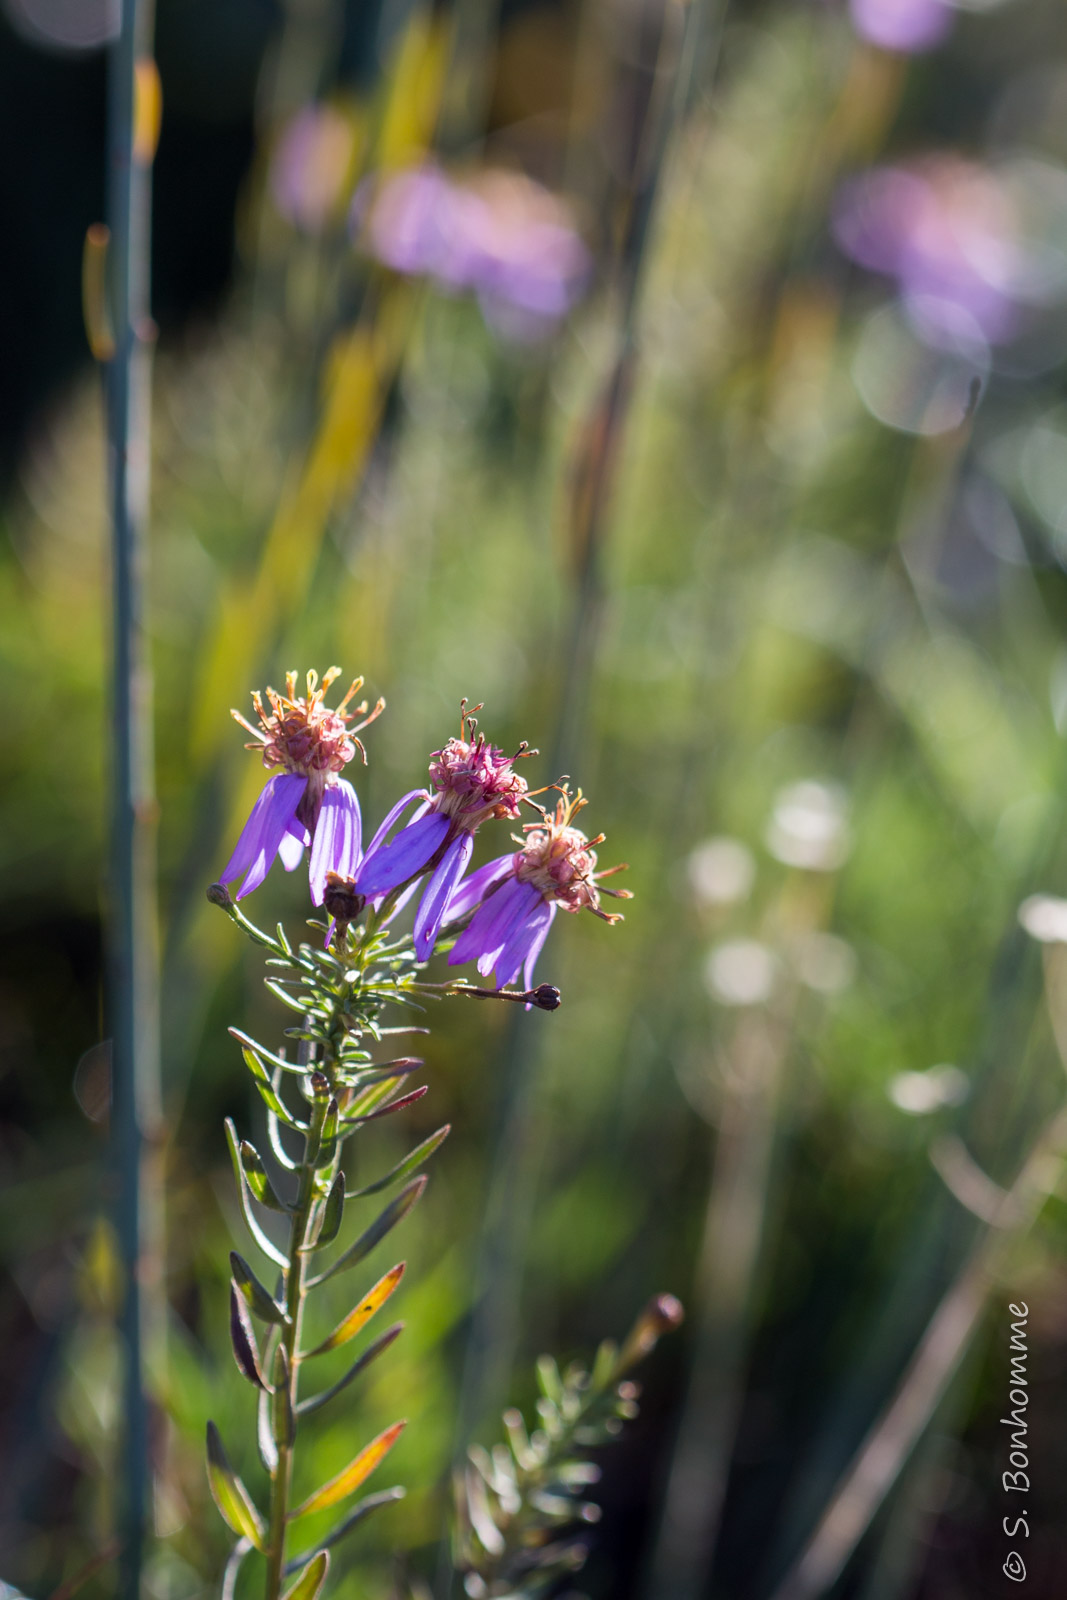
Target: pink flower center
[474, 781]
[558, 862]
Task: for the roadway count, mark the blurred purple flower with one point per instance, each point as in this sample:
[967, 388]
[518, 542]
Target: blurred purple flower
[307, 803]
[515, 898]
[311, 166]
[948, 232]
[908, 26]
[496, 234]
[472, 781]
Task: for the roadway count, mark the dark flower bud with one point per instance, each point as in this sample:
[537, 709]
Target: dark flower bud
[341, 901]
[546, 997]
[219, 895]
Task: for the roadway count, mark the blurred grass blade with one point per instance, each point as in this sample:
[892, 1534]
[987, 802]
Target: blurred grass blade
[357, 1472]
[229, 1493]
[410, 1163]
[395, 1212]
[362, 1313]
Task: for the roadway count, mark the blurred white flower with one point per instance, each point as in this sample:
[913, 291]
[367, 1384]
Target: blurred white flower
[1044, 917]
[740, 972]
[808, 826]
[721, 871]
[919, 1093]
[824, 962]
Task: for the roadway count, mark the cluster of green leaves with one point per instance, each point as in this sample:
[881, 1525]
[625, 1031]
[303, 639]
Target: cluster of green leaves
[520, 1507]
[339, 993]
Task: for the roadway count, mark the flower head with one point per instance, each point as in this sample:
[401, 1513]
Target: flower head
[471, 781]
[495, 233]
[474, 780]
[514, 899]
[307, 802]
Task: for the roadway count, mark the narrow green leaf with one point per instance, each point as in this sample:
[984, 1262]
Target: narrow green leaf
[243, 1339]
[282, 1421]
[256, 1297]
[269, 1095]
[332, 1213]
[262, 1054]
[257, 1179]
[230, 1494]
[268, 1450]
[361, 1314]
[549, 1380]
[274, 1133]
[287, 999]
[311, 1579]
[328, 1138]
[410, 1163]
[371, 1503]
[316, 1402]
[394, 1212]
[270, 1250]
[233, 1566]
[401, 1104]
[356, 1473]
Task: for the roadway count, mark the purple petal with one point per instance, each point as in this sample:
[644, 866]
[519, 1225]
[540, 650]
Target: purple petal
[473, 890]
[406, 854]
[526, 936]
[262, 834]
[291, 850]
[479, 936]
[432, 907]
[335, 847]
[493, 925]
[534, 949]
[393, 816]
[522, 905]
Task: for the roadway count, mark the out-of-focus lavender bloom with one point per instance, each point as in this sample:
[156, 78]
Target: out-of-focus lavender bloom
[515, 898]
[311, 166]
[496, 234]
[471, 780]
[307, 803]
[951, 233]
[907, 26]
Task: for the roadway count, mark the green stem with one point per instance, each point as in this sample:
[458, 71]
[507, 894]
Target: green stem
[294, 1304]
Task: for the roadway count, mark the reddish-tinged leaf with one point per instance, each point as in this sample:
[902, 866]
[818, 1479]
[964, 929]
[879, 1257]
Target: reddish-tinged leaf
[356, 1473]
[358, 1318]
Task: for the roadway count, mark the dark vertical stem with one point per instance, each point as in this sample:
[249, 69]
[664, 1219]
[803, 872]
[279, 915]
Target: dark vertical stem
[132, 920]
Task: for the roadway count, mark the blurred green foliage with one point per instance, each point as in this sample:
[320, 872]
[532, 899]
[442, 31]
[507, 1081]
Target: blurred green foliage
[789, 590]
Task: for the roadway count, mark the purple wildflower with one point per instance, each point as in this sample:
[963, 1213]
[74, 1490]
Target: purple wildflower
[311, 167]
[950, 233]
[497, 234]
[307, 803]
[515, 898]
[907, 26]
[472, 781]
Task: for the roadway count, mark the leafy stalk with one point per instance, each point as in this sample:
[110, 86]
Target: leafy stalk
[338, 994]
[517, 1506]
